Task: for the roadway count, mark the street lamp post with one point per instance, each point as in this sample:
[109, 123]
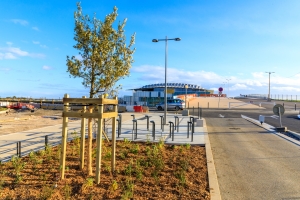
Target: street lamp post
[228, 85]
[269, 84]
[186, 87]
[166, 64]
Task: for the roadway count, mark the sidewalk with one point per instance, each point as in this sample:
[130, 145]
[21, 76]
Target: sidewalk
[34, 140]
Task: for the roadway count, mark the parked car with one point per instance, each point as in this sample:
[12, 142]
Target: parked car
[172, 104]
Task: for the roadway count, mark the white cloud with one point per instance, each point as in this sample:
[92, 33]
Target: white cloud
[20, 21]
[46, 67]
[7, 56]
[43, 46]
[258, 74]
[4, 69]
[9, 43]
[285, 89]
[78, 57]
[14, 52]
[35, 28]
[35, 42]
[258, 83]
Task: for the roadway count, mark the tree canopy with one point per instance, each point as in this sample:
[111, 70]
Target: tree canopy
[104, 58]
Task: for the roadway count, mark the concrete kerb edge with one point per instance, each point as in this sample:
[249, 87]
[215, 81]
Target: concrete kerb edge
[211, 170]
[268, 128]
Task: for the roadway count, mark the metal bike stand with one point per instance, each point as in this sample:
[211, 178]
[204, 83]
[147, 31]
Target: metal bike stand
[153, 129]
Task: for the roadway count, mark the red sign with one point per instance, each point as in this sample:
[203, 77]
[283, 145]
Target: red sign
[220, 89]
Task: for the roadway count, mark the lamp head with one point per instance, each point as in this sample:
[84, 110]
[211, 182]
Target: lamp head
[155, 40]
[177, 39]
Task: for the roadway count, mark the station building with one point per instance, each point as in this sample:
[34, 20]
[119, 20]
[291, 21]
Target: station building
[152, 94]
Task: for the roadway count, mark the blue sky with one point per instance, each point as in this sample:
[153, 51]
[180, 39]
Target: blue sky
[236, 40]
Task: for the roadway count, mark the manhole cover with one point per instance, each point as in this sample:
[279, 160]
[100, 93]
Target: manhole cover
[233, 128]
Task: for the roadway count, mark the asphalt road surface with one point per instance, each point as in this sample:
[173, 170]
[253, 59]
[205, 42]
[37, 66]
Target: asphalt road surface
[252, 163]
[289, 118]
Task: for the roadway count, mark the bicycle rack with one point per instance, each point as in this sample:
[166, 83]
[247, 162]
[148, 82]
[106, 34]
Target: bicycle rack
[189, 124]
[153, 129]
[134, 130]
[161, 122]
[19, 149]
[147, 117]
[176, 123]
[46, 142]
[171, 130]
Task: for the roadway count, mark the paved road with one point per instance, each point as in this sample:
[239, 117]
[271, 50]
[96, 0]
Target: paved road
[252, 163]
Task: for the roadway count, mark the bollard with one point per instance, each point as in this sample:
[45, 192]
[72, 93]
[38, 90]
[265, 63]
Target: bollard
[153, 129]
[161, 122]
[46, 142]
[147, 117]
[295, 107]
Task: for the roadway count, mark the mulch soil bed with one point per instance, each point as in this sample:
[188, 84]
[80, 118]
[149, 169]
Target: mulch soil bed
[143, 171]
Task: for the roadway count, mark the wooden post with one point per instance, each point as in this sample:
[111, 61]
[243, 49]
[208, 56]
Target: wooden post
[90, 140]
[64, 141]
[99, 142]
[113, 138]
[82, 142]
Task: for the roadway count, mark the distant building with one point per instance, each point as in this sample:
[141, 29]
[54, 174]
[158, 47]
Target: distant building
[154, 93]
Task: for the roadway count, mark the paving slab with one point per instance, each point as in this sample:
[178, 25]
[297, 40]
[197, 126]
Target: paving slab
[33, 140]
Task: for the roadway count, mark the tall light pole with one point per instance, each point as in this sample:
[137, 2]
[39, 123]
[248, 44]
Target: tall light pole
[269, 84]
[228, 79]
[166, 66]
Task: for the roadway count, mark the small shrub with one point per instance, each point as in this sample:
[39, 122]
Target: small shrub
[114, 186]
[67, 191]
[18, 165]
[135, 149]
[46, 192]
[187, 146]
[128, 190]
[88, 183]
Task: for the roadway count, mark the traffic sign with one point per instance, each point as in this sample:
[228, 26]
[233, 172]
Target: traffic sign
[278, 108]
[220, 93]
[220, 89]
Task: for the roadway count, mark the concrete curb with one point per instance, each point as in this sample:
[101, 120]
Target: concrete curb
[271, 129]
[212, 174]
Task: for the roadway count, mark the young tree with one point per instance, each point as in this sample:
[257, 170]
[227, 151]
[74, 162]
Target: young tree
[104, 58]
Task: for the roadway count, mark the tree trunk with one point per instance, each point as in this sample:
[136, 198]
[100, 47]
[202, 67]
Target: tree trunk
[90, 142]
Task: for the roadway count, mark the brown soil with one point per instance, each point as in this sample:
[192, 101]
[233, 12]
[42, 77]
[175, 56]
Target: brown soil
[174, 172]
[143, 171]
[23, 120]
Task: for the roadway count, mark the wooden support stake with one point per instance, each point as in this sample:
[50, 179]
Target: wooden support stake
[105, 135]
[82, 142]
[99, 143]
[113, 139]
[90, 140]
[64, 141]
